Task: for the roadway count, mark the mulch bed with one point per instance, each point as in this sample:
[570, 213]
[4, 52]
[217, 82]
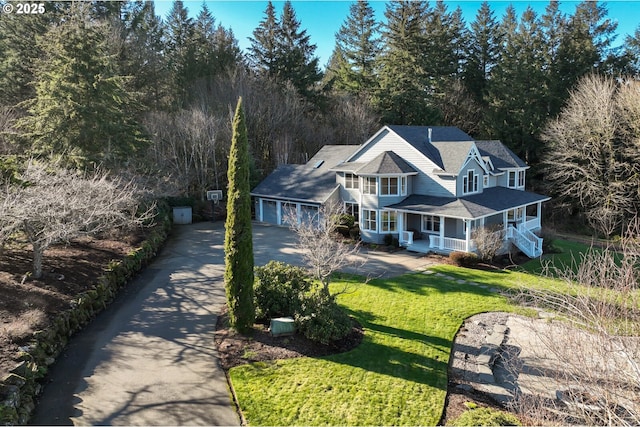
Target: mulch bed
[236, 349]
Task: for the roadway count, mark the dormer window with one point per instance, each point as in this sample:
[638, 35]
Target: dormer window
[470, 182]
[351, 181]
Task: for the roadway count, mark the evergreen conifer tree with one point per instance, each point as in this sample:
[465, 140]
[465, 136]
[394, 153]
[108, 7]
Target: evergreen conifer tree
[356, 51]
[81, 110]
[238, 242]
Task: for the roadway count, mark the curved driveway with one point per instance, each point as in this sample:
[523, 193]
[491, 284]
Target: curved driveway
[150, 358]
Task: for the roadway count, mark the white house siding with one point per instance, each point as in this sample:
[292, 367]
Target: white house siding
[422, 183]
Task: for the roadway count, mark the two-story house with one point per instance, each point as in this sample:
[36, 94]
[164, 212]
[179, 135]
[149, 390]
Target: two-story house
[428, 186]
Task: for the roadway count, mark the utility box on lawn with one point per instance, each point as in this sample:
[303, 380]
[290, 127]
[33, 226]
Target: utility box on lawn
[282, 326]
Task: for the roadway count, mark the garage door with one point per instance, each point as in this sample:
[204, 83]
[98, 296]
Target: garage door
[269, 212]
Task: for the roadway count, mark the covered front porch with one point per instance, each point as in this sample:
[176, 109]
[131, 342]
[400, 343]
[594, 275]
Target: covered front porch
[447, 227]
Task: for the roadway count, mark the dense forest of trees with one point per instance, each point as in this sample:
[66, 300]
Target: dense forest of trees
[113, 84]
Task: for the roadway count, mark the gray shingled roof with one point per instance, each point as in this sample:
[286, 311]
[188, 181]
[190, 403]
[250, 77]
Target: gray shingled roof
[490, 201]
[298, 182]
[501, 156]
[386, 163]
[331, 155]
[446, 156]
[306, 182]
[453, 154]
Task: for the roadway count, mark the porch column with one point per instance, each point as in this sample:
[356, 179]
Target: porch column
[298, 213]
[279, 212]
[441, 232]
[400, 217]
[505, 221]
[260, 214]
[467, 235]
[539, 213]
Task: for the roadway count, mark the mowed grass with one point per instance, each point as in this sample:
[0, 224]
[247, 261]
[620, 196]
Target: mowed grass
[397, 376]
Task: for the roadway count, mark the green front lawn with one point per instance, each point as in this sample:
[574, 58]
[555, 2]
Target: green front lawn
[397, 376]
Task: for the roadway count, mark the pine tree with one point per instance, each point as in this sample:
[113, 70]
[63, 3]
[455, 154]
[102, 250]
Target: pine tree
[18, 53]
[403, 97]
[517, 88]
[357, 45]
[482, 53]
[80, 110]
[180, 50]
[142, 58]
[296, 62]
[238, 242]
[263, 52]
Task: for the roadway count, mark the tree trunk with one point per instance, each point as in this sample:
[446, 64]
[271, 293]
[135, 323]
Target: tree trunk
[38, 255]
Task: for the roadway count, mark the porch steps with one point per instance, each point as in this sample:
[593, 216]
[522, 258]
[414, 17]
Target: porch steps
[525, 240]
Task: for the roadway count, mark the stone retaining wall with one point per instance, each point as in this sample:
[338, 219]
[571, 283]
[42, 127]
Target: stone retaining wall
[19, 388]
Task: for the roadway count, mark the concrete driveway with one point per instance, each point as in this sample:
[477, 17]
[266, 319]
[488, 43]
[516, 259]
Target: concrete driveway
[150, 358]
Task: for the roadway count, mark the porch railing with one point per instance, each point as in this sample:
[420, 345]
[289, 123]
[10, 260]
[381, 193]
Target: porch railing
[406, 238]
[524, 239]
[532, 223]
[448, 243]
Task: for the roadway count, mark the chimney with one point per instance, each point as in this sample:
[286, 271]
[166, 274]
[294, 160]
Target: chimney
[430, 131]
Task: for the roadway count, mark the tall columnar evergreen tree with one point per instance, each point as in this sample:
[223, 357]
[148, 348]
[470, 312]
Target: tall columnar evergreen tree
[80, 111]
[238, 242]
[357, 47]
[403, 97]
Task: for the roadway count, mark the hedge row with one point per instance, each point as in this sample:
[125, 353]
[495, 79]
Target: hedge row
[20, 387]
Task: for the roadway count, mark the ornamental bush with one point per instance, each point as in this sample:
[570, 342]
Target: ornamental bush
[279, 289]
[463, 259]
[321, 319]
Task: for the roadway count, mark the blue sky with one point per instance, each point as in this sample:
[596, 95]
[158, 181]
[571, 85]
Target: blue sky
[323, 18]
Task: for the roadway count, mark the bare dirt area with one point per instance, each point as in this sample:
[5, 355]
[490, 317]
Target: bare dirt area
[27, 304]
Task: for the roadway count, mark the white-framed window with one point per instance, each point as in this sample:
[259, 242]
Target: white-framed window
[403, 185]
[353, 209]
[516, 179]
[369, 220]
[351, 181]
[369, 185]
[389, 186]
[470, 182]
[430, 223]
[389, 222]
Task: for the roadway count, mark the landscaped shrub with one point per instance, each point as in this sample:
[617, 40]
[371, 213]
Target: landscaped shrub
[388, 239]
[279, 289]
[463, 259]
[485, 417]
[321, 319]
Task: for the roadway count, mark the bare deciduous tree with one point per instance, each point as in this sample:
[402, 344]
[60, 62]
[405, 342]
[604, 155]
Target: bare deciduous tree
[595, 344]
[56, 205]
[323, 253]
[585, 163]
